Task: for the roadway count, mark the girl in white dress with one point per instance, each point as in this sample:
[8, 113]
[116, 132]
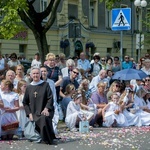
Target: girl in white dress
[11, 105]
[22, 84]
[141, 106]
[74, 113]
[112, 113]
[127, 102]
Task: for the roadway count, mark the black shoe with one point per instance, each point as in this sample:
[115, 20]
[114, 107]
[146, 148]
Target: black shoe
[54, 143]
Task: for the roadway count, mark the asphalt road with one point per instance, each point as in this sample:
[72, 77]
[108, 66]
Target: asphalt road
[132, 138]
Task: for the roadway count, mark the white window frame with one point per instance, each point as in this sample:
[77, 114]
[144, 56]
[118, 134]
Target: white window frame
[93, 13]
[108, 18]
[44, 4]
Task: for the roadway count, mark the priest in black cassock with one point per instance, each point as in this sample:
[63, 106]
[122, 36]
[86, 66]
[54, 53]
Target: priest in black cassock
[38, 104]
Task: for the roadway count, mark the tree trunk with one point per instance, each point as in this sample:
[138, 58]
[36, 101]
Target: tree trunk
[42, 45]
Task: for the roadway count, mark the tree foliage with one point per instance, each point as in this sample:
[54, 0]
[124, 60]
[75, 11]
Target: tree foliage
[110, 3]
[11, 23]
[17, 12]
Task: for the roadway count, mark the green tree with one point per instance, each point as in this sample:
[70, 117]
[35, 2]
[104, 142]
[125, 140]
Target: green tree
[16, 11]
[111, 3]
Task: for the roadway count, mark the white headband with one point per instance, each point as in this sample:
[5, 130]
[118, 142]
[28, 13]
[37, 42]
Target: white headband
[79, 96]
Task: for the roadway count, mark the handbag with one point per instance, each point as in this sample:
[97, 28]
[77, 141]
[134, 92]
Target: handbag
[10, 126]
[30, 133]
[83, 126]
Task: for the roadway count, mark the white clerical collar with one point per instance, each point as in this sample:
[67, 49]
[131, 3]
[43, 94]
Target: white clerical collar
[36, 83]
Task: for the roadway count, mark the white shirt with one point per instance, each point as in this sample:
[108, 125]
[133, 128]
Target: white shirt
[36, 63]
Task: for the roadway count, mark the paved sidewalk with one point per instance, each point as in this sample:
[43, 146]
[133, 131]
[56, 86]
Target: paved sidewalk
[131, 138]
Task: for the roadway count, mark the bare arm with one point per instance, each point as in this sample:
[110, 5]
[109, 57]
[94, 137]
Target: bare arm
[102, 105]
[1, 104]
[103, 111]
[84, 106]
[61, 93]
[59, 81]
[16, 103]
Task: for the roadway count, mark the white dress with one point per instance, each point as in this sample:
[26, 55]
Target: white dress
[74, 111]
[133, 120]
[71, 114]
[110, 116]
[21, 114]
[145, 116]
[6, 118]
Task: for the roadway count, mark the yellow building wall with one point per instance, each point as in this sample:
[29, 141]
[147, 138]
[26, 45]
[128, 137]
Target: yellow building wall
[102, 41]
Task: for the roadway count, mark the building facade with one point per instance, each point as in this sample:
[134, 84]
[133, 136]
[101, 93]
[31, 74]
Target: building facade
[84, 25]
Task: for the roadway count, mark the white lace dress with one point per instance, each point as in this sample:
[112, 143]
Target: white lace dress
[133, 120]
[144, 116]
[6, 118]
[71, 114]
[21, 114]
[110, 116]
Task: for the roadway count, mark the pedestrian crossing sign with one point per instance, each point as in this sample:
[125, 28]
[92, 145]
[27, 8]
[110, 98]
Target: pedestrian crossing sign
[121, 19]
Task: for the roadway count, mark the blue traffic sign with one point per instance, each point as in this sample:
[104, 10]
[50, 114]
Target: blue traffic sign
[121, 19]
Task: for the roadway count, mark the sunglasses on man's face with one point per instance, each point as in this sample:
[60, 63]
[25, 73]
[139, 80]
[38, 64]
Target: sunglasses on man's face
[147, 79]
[103, 60]
[76, 72]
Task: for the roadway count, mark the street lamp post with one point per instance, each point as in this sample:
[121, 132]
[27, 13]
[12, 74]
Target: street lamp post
[139, 5]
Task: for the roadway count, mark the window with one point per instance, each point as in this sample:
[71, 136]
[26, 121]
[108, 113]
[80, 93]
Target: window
[108, 19]
[43, 7]
[109, 50]
[22, 48]
[93, 20]
[72, 11]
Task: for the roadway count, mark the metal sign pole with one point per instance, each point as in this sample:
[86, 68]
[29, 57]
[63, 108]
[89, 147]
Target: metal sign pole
[121, 48]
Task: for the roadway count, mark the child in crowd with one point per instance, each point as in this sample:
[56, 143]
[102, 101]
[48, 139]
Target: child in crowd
[70, 89]
[87, 104]
[11, 105]
[74, 113]
[22, 84]
[127, 104]
[112, 113]
[141, 106]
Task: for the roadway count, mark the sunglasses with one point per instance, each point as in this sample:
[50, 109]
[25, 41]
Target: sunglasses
[126, 57]
[103, 60]
[147, 80]
[76, 72]
[117, 85]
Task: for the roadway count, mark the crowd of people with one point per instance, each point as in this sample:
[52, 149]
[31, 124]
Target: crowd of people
[72, 90]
